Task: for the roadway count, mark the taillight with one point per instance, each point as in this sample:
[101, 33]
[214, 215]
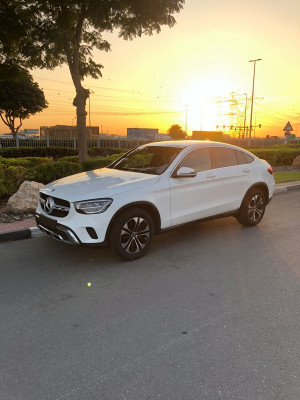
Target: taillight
[270, 170]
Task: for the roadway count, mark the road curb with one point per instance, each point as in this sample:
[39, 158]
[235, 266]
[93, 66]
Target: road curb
[286, 188]
[21, 234]
[34, 232]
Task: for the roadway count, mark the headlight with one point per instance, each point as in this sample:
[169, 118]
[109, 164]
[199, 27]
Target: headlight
[96, 206]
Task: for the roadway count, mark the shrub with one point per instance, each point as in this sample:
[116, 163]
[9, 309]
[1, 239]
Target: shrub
[2, 185]
[104, 151]
[55, 152]
[26, 162]
[277, 157]
[46, 173]
[11, 178]
[95, 163]
[74, 159]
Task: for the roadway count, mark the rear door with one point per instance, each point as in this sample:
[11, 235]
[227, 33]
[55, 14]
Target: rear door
[197, 197]
[234, 177]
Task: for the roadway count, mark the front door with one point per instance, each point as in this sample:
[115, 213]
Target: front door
[197, 197]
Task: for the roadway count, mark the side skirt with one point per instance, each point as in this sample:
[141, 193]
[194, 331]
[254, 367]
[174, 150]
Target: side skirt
[217, 216]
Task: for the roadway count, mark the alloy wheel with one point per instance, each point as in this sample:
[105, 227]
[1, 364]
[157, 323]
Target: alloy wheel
[134, 235]
[256, 208]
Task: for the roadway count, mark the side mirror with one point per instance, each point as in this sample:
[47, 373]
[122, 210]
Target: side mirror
[185, 172]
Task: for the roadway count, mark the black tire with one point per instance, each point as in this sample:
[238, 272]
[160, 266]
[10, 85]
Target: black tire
[252, 209]
[131, 234]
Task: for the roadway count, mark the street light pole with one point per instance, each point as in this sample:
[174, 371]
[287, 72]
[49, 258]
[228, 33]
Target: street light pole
[90, 92]
[89, 108]
[186, 107]
[254, 61]
[245, 114]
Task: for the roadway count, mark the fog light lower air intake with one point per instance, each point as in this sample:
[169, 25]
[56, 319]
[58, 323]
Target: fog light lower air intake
[92, 232]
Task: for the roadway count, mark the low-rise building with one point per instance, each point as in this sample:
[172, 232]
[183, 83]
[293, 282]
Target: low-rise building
[163, 136]
[66, 132]
[29, 133]
[142, 133]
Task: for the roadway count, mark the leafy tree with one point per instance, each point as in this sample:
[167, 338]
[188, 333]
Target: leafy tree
[20, 97]
[176, 132]
[59, 32]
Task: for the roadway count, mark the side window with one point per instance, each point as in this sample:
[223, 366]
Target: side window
[198, 159]
[243, 158]
[249, 159]
[223, 157]
[240, 157]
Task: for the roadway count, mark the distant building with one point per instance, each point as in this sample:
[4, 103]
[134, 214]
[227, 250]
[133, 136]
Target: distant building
[207, 135]
[142, 133]
[163, 136]
[29, 133]
[66, 132]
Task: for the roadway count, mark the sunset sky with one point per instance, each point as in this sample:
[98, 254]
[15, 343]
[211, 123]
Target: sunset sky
[200, 63]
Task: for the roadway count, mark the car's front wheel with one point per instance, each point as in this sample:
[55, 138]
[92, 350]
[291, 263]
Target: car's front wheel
[252, 209]
[131, 234]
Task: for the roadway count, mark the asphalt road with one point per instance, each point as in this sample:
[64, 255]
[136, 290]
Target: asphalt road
[212, 312]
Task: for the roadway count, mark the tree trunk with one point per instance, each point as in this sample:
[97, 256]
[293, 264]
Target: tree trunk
[14, 130]
[81, 93]
[80, 102]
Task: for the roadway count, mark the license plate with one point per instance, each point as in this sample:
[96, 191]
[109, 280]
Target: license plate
[47, 222]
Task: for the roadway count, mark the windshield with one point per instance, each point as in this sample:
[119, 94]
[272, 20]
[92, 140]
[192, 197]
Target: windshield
[147, 160]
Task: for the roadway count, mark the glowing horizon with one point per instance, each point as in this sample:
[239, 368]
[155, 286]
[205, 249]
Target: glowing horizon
[201, 63]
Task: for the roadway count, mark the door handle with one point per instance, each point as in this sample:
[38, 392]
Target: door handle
[210, 176]
[246, 170]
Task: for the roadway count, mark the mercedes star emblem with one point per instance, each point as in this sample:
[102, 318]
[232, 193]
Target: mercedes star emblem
[49, 205]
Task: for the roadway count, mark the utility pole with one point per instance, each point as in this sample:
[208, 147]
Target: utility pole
[186, 107]
[254, 61]
[89, 108]
[245, 115]
[201, 117]
[90, 91]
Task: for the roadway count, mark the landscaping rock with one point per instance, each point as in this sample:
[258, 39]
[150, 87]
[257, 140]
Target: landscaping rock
[296, 162]
[26, 198]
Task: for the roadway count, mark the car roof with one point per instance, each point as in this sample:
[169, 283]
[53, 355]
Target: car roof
[192, 143]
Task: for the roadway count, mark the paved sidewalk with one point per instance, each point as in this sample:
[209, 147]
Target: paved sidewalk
[17, 225]
[27, 228]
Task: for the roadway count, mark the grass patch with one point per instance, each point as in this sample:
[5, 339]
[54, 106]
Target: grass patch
[286, 176]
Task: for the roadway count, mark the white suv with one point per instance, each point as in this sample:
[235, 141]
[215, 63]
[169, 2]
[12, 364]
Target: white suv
[152, 188]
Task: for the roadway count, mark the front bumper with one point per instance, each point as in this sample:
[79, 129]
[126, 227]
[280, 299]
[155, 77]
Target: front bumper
[56, 231]
[86, 229]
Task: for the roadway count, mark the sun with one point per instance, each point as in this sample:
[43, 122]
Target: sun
[201, 99]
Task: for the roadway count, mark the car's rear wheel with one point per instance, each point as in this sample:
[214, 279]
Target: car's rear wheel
[252, 209]
[131, 234]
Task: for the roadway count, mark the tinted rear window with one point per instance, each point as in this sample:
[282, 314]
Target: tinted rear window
[249, 159]
[223, 157]
[240, 158]
[243, 158]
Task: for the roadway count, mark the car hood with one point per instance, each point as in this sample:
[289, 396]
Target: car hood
[104, 182]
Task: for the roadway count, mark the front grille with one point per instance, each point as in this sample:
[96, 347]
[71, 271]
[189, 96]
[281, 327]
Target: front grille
[54, 206]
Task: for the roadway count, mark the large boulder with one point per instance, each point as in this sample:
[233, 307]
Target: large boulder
[296, 162]
[26, 198]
